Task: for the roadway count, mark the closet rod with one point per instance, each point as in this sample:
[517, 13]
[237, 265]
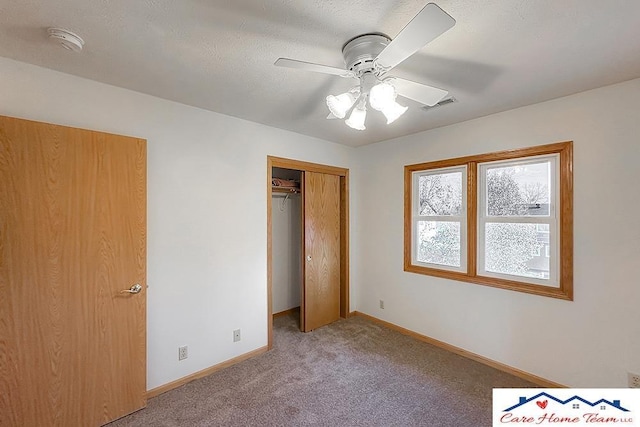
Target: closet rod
[284, 194]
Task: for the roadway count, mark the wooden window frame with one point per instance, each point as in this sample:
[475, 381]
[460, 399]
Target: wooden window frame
[565, 210]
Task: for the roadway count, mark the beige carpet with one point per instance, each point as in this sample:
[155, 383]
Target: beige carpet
[350, 373]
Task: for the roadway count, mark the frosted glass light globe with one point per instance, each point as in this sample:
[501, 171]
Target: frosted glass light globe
[381, 96]
[339, 105]
[357, 117]
[393, 111]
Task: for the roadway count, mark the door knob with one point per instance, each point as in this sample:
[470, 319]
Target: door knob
[308, 258]
[133, 290]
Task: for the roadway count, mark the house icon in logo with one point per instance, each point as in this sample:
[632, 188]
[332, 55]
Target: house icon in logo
[574, 401]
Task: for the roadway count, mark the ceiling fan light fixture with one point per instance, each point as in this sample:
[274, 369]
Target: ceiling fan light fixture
[341, 104]
[382, 96]
[393, 111]
[357, 117]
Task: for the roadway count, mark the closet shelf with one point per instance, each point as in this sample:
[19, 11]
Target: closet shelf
[285, 189]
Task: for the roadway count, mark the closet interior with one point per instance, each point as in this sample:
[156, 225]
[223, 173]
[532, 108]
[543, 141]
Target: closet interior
[287, 244]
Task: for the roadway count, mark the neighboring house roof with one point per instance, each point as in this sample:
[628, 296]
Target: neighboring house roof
[538, 209]
[524, 401]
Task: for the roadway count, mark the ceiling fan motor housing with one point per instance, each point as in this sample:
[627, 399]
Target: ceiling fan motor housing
[359, 53]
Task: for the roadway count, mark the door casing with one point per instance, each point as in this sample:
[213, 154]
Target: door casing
[343, 173]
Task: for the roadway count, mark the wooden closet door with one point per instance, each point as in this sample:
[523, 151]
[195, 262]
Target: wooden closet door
[72, 237]
[321, 249]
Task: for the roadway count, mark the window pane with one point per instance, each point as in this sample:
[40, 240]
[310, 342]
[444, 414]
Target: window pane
[516, 249]
[440, 194]
[542, 228]
[519, 190]
[439, 242]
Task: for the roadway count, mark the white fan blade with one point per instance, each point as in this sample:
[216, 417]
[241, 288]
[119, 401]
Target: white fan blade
[428, 24]
[427, 95]
[308, 66]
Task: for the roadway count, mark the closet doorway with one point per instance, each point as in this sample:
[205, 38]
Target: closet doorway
[307, 223]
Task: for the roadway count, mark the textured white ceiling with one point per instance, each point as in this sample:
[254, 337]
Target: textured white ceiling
[218, 55]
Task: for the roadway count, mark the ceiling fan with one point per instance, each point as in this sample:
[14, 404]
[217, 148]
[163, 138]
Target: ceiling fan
[369, 57]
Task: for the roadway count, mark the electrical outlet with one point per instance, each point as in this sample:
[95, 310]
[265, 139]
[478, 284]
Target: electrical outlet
[183, 352]
[382, 304]
[236, 335]
[634, 380]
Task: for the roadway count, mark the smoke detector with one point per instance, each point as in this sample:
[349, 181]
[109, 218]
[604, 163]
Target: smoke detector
[68, 39]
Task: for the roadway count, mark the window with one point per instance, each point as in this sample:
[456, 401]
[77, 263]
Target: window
[516, 198]
[500, 219]
[440, 221]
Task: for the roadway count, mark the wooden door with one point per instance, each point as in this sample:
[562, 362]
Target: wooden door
[72, 237]
[321, 249]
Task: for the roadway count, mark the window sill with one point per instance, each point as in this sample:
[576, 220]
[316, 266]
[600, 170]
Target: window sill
[559, 293]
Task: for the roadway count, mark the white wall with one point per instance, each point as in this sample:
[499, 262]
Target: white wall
[206, 208]
[286, 246]
[207, 241]
[590, 342]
